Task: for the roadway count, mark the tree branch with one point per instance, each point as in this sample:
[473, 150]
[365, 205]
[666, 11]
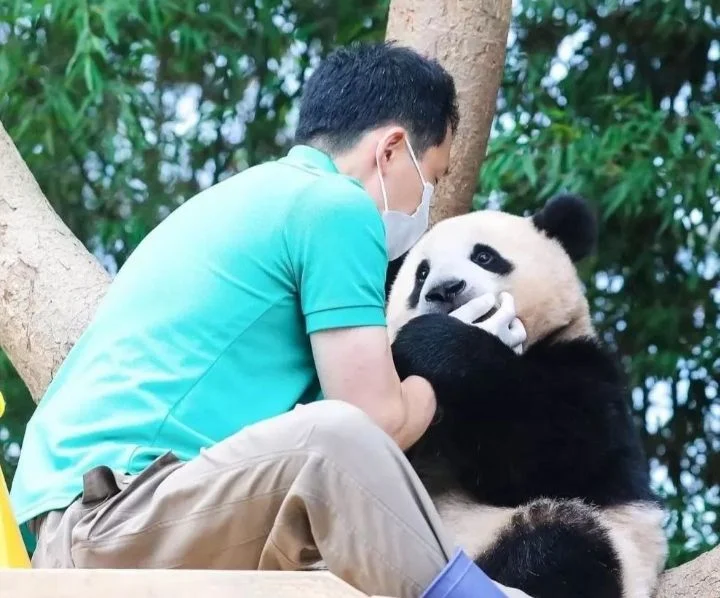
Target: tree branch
[50, 284]
[700, 578]
[468, 37]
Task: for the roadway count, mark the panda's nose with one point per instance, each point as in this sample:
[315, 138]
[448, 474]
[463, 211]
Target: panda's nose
[445, 292]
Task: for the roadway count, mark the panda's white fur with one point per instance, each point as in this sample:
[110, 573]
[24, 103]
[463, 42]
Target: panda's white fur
[635, 529]
[533, 259]
[544, 306]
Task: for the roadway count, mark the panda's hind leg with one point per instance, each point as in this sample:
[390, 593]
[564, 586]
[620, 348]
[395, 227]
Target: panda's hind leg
[555, 549]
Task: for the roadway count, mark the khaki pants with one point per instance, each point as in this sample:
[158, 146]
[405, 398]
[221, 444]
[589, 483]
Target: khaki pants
[319, 482]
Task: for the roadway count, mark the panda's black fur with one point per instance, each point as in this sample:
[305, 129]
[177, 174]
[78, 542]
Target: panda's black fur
[549, 432]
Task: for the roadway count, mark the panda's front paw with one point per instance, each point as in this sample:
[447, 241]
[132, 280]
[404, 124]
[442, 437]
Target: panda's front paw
[428, 346]
[451, 355]
[410, 359]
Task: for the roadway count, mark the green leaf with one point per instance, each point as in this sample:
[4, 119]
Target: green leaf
[88, 73]
[529, 169]
[616, 198]
[155, 20]
[64, 110]
[232, 25]
[49, 141]
[108, 23]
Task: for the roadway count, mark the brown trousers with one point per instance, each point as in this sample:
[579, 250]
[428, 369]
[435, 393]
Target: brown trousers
[321, 482]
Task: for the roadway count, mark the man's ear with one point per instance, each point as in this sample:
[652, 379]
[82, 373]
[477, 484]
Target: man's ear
[392, 145]
[569, 220]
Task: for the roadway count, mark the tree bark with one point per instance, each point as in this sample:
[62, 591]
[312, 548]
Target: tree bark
[468, 37]
[49, 283]
[700, 578]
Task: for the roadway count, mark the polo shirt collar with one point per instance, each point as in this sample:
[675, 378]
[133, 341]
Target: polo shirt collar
[307, 156]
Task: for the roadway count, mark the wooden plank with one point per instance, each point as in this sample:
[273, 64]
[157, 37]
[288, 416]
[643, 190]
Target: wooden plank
[149, 583]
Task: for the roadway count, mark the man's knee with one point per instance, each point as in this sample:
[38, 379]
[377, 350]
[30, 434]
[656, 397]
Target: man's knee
[340, 419]
[340, 428]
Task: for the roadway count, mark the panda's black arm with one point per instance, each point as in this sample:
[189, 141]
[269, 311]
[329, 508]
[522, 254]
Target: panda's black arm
[567, 383]
[461, 360]
[558, 412]
[457, 359]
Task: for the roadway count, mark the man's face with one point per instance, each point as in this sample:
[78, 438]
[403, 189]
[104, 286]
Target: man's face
[403, 183]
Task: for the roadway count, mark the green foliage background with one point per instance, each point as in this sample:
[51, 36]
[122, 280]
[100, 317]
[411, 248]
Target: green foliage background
[124, 109]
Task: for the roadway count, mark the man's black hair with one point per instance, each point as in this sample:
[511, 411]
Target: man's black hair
[365, 86]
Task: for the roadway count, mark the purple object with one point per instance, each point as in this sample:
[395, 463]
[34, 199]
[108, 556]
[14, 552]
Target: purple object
[462, 578]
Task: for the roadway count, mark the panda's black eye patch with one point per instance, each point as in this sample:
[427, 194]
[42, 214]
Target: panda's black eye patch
[421, 275]
[422, 271]
[489, 259]
[482, 257]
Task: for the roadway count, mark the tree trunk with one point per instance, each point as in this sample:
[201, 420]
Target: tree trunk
[49, 283]
[468, 37]
[699, 578]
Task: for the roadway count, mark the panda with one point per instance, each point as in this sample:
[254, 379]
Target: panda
[533, 460]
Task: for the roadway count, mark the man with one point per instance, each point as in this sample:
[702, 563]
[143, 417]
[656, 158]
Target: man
[184, 428]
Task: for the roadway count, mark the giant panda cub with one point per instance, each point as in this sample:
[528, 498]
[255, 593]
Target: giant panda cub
[533, 461]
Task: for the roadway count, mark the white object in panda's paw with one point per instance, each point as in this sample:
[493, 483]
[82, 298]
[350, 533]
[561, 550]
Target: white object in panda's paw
[496, 315]
[477, 310]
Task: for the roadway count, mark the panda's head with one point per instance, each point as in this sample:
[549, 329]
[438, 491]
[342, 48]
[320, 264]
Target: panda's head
[533, 258]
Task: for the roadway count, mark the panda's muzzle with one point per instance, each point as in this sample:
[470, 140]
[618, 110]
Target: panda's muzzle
[446, 296]
[449, 295]
[445, 292]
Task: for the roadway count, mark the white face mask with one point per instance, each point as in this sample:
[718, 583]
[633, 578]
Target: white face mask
[403, 230]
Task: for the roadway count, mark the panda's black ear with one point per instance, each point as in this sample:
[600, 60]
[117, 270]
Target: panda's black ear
[570, 220]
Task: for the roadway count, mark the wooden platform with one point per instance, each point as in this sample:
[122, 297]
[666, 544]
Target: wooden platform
[148, 583]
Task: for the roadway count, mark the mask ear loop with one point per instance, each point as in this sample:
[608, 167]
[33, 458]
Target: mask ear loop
[380, 176]
[414, 159]
[428, 188]
[417, 165]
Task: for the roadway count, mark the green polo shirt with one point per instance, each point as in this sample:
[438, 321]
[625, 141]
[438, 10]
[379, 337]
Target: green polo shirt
[205, 329]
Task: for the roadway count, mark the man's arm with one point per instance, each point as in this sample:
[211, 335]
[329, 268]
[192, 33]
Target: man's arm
[336, 248]
[355, 365]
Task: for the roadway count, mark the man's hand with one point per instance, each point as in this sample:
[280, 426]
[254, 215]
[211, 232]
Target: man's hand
[356, 365]
[503, 323]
